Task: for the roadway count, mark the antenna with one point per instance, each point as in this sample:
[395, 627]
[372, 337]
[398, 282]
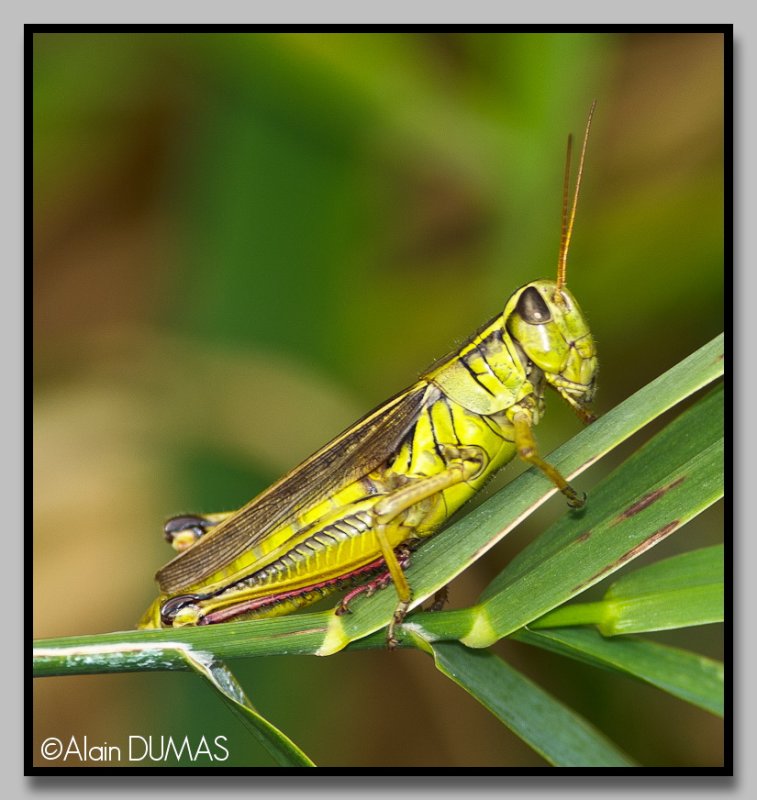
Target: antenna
[567, 221]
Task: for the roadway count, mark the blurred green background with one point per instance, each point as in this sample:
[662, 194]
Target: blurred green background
[243, 242]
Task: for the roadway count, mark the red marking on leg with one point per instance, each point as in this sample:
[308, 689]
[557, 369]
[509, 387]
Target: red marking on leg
[379, 582]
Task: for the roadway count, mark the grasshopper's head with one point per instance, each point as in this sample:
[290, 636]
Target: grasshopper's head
[548, 326]
[545, 321]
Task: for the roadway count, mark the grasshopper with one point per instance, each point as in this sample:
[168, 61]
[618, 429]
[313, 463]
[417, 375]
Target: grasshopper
[351, 514]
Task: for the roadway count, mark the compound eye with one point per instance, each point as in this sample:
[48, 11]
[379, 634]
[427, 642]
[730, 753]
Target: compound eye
[532, 308]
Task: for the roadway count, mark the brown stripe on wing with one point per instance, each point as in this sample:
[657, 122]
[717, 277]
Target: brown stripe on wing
[355, 452]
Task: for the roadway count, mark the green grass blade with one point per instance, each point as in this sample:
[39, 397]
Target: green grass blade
[671, 479]
[696, 568]
[556, 732]
[160, 650]
[676, 592]
[688, 676]
[281, 747]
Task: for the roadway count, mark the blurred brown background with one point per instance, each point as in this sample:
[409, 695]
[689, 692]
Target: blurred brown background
[243, 242]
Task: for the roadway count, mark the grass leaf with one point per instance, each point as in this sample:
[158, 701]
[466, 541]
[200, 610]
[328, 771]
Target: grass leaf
[676, 592]
[562, 737]
[278, 744]
[688, 676]
[671, 479]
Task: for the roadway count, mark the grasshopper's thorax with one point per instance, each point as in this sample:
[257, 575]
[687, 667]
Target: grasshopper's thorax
[541, 338]
[550, 331]
[486, 375]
